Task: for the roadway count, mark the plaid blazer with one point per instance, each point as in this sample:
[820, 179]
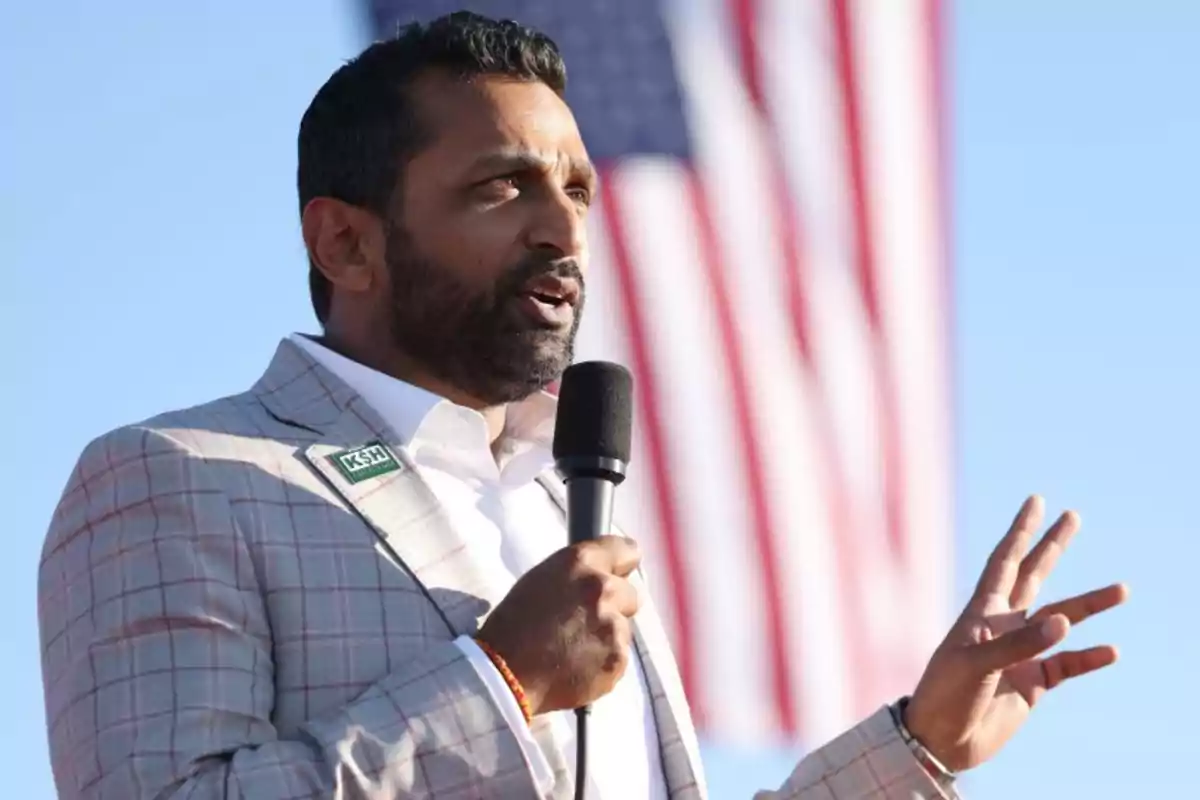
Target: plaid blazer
[220, 618]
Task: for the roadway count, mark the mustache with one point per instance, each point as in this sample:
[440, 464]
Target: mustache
[534, 267]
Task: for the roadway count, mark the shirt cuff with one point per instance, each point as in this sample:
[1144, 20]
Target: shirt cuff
[503, 697]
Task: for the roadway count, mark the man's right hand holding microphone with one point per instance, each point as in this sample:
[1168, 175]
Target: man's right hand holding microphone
[565, 629]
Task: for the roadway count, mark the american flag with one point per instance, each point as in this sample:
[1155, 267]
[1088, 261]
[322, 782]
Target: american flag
[769, 257]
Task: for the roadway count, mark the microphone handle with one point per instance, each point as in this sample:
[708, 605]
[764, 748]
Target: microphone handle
[589, 515]
[589, 507]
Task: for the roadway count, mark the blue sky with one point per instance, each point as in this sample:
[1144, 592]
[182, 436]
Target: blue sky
[151, 260]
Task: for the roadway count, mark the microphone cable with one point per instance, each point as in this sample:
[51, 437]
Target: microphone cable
[581, 748]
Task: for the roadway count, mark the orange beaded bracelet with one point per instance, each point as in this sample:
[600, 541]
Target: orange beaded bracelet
[509, 678]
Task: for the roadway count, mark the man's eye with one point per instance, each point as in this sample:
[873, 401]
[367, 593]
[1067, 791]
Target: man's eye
[580, 194]
[494, 190]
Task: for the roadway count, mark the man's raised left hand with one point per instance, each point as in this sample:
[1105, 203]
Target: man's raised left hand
[991, 669]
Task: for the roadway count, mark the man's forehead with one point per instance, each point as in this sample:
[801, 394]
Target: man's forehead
[517, 157]
[499, 118]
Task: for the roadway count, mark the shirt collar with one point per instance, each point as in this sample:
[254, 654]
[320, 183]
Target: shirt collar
[419, 416]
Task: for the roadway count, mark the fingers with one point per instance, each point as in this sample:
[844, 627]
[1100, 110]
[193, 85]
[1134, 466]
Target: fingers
[1048, 628]
[1041, 560]
[1000, 574]
[615, 634]
[1078, 608]
[614, 630]
[1019, 645]
[622, 596]
[614, 554]
[1073, 663]
[604, 565]
[604, 593]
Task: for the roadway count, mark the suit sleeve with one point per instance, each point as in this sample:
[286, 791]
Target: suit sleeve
[158, 672]
[869, 760]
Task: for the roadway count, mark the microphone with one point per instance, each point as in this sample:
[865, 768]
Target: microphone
[592, 440]
[592, 433]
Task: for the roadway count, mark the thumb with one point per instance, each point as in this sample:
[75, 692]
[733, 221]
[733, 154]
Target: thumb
[1034, 638]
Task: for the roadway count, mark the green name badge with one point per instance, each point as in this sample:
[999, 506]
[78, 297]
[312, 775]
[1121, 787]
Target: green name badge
[363, 463]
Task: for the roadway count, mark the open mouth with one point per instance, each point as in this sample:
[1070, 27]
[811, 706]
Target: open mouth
[550, 301]
[553, 291]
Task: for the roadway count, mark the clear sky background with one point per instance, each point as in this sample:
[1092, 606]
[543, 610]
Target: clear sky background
[150, 259]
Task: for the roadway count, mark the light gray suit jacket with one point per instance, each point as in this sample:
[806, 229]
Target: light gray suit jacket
[220, 618]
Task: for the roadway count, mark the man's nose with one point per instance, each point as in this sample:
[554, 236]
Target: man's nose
[559, 225]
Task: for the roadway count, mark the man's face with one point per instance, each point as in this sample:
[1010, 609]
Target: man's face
[486, 252]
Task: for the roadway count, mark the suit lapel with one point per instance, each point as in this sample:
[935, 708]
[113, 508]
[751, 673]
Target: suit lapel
[411, 524]
[398, 506]
[401, 509]
[676, 735]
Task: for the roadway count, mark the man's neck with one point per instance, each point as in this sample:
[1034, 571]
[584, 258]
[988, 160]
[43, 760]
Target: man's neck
[395, 364]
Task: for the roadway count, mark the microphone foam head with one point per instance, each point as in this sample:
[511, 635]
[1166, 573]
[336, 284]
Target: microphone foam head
[595, 412]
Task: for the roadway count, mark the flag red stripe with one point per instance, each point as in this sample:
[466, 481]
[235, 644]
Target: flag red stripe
[866, 266]
[845, 540]
[662, 488]
[745, 25]
[777, 633]
[938, 53]
[786, 222]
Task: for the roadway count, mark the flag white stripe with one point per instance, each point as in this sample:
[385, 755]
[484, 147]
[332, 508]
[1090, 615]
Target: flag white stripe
[729, 153]
[706, 452]
[803, 95]
[900, 152]
[803, 92]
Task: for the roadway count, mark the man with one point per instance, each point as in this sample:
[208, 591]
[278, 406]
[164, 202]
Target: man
[350, 581]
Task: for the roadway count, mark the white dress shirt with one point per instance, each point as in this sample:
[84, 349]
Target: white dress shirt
[511, 523]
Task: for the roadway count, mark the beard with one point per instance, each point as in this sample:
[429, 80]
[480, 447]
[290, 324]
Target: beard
[471, 337]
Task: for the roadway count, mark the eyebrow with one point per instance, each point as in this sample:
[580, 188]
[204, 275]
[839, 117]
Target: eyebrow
[527, 160]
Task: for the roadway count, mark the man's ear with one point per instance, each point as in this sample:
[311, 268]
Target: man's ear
[345, 242]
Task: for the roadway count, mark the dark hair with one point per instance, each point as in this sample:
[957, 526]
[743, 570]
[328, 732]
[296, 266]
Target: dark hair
[361, 127]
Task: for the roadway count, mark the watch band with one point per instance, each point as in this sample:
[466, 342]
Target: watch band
[928, 761]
